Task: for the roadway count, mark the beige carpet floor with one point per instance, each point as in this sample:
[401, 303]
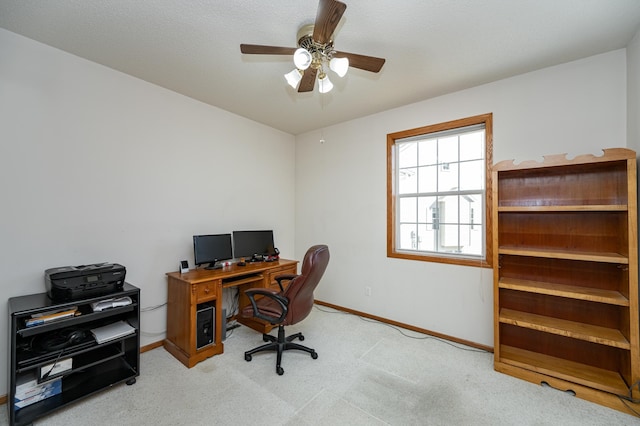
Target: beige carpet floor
[367, 373]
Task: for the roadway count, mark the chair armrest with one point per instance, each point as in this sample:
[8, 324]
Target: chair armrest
[271, 294]
[261, 290]
[284, 277]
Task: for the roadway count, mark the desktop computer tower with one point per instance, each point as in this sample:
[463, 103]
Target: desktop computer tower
[205, 325]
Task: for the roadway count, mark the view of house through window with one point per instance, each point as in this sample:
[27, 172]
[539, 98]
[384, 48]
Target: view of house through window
[437, 199]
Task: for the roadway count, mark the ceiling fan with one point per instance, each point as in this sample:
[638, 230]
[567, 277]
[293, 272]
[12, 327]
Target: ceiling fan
[315, 51]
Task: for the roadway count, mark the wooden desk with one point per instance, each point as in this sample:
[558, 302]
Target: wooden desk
[187, 291]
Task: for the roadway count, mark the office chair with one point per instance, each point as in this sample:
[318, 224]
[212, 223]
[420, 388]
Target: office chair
[287, 306]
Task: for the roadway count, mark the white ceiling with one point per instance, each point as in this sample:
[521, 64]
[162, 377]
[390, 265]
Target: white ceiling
[432, 47]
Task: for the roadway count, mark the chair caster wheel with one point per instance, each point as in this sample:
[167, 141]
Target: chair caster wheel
[247, 357]
[314, 355]
[265, 338]
[301, 338]
[280, 371]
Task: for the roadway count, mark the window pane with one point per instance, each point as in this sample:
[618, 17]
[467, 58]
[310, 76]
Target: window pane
[408, 154]
[471, 240]
[408, 237]
[472, 146]
[472, 175]
[471, 213]
[449, 209]
[465, 209]
[408, 181]
[427, 152]
[426, 238]
[426, 206]
[447, 176]
[448, 149]
[427, 179]
[408, 209]
[448, 239]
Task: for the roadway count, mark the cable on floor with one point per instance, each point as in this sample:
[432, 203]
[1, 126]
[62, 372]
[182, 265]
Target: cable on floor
[401, 330]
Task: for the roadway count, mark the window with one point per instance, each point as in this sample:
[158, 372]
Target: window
[438, 192]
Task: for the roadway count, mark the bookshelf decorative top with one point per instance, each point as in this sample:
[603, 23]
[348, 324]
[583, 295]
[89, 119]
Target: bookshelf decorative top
[609, 154]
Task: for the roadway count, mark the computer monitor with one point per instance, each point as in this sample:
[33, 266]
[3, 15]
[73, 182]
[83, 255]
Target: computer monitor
[248, 243]
[211, 249]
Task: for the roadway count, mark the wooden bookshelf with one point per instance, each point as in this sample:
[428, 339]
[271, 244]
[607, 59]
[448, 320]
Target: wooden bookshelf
[566, 274]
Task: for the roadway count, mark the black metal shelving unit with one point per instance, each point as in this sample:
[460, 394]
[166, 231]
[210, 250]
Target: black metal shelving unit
[94, 366]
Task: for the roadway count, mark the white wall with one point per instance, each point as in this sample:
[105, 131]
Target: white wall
[633, 93]
[578, 107]
[99, 166]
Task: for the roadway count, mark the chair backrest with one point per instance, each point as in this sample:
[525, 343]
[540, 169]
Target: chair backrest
[300, 289]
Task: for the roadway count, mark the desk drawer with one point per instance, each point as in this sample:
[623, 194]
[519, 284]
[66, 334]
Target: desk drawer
[206, 291]
[280, 271]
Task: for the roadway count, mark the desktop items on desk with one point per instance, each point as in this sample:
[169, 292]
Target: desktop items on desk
[217, 250]
[261, 258]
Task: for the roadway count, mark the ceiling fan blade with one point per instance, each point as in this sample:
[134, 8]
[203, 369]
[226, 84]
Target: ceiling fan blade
[308, 80]
[266, 50]
[327, 18]
[363, 62]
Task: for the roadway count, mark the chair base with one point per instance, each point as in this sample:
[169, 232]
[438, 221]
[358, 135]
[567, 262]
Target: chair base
[280, 344]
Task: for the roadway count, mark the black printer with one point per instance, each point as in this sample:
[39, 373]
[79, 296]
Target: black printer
[84, 281]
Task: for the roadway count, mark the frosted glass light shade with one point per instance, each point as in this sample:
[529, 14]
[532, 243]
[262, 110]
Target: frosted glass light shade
[302, 58]
[324, 84]
[339, 66]
[293, 77]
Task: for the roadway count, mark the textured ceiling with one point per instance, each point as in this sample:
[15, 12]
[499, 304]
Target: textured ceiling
[432, 47]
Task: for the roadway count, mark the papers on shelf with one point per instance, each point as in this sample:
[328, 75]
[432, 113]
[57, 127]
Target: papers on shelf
[45, 317]
[111, 303]
[55, 368]
[29, 391]
[112, 331]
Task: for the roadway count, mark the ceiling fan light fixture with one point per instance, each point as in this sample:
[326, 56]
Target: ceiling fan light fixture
[314, 54]
[339, 65]
[324, 84]
[293, 77]
[302, 58]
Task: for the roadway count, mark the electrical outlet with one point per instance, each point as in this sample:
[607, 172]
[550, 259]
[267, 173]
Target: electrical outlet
[367, 291]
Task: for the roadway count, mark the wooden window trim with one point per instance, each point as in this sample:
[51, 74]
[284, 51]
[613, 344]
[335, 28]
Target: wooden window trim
[487, 120]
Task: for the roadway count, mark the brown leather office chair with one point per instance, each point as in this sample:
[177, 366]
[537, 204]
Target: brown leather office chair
[287, 306]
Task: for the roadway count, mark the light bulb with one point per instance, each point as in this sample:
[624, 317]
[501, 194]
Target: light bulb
[302, 58]
[324, 84]
[339, 66]
[293, 77]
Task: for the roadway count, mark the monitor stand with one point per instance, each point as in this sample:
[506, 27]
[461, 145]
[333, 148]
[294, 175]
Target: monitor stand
[214, 265]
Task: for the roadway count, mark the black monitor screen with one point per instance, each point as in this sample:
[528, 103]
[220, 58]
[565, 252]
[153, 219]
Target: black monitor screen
[248, 243]
[211, 248]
